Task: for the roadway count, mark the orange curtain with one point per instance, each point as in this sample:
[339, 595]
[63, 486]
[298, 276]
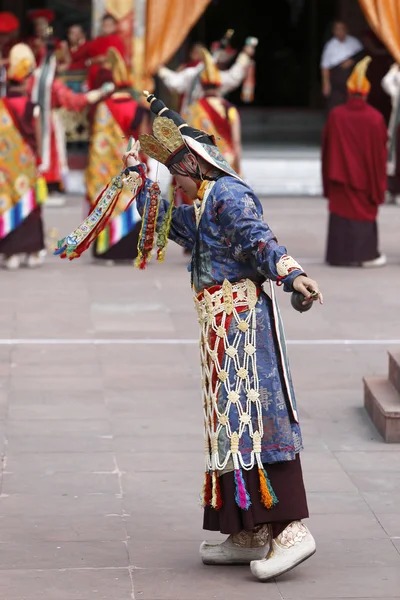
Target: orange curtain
[383, 17]
[168, 24]
[150, 44]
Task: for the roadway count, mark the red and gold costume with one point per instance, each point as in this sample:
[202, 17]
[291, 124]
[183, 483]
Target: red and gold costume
[113, 122]
[216, 115]
[21, 189]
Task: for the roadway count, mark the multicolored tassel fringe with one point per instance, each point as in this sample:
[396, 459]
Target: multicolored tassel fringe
[149, 224]
[268, 497]
[163, 232]
[242, 496]
[206, 494]
[13, 217]
[216, 500]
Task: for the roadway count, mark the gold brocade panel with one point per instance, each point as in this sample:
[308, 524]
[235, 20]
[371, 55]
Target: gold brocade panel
[18, 171]
[107, 146]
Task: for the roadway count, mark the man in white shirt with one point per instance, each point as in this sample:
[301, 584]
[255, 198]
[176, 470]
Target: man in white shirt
[338, 59]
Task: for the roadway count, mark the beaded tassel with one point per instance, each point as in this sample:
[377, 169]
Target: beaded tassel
[163, 232]
[216, 501]
[206, 494]
[268, 496]
[242, 496]
[148, 229]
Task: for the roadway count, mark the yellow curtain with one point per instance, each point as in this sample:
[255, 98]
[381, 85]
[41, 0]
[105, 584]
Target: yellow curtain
[383, 17]
[168, 24]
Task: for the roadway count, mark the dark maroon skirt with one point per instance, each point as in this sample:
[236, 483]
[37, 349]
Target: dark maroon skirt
[28, 238]
[351, 242]
[287, 482]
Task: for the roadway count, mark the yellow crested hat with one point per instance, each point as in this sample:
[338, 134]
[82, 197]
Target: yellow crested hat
[21, 62]
[357, 83]
[119, 69]
[210, 75]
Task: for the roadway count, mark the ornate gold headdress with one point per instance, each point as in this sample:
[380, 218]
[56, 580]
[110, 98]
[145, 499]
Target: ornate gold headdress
[166, 138]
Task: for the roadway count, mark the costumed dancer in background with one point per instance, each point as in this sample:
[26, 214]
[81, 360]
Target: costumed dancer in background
[50, 94]
[391, 85]
[216, 115]
[115, 120]
[187, 81]
[22, 190]
[253, 485]
[354, 159]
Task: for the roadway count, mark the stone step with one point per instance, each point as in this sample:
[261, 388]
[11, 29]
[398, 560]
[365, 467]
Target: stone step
[382, 403]
[394, 370]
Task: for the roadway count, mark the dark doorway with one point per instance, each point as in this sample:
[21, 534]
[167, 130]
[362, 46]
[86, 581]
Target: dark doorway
[291, 35]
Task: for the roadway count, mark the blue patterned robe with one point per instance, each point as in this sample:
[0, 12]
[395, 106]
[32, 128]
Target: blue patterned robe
[233, 242]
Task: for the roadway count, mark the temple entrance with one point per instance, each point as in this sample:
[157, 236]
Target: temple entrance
[291, 35]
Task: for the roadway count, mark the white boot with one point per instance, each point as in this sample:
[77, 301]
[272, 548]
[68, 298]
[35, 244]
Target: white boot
[293, 546]
[34, 260]
[12, 263]
[377, 262]
[239, 549]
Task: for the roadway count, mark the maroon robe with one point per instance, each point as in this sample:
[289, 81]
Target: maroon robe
[354, 159]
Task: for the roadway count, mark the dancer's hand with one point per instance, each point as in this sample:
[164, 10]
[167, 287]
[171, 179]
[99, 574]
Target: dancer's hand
[131, 158]
[309, 288]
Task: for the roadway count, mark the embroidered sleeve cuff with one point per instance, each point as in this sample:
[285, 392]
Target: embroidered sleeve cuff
[288, 269]
[286, 265]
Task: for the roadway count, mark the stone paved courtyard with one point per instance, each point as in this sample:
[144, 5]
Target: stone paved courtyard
[102, 440]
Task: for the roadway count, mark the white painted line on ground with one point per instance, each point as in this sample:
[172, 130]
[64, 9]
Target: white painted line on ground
[174, 341]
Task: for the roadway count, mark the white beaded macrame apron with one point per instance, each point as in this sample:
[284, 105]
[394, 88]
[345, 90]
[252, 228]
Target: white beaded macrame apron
[231, 367]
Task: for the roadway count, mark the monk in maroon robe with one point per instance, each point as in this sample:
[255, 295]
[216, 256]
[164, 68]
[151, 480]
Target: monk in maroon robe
[354, 159]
